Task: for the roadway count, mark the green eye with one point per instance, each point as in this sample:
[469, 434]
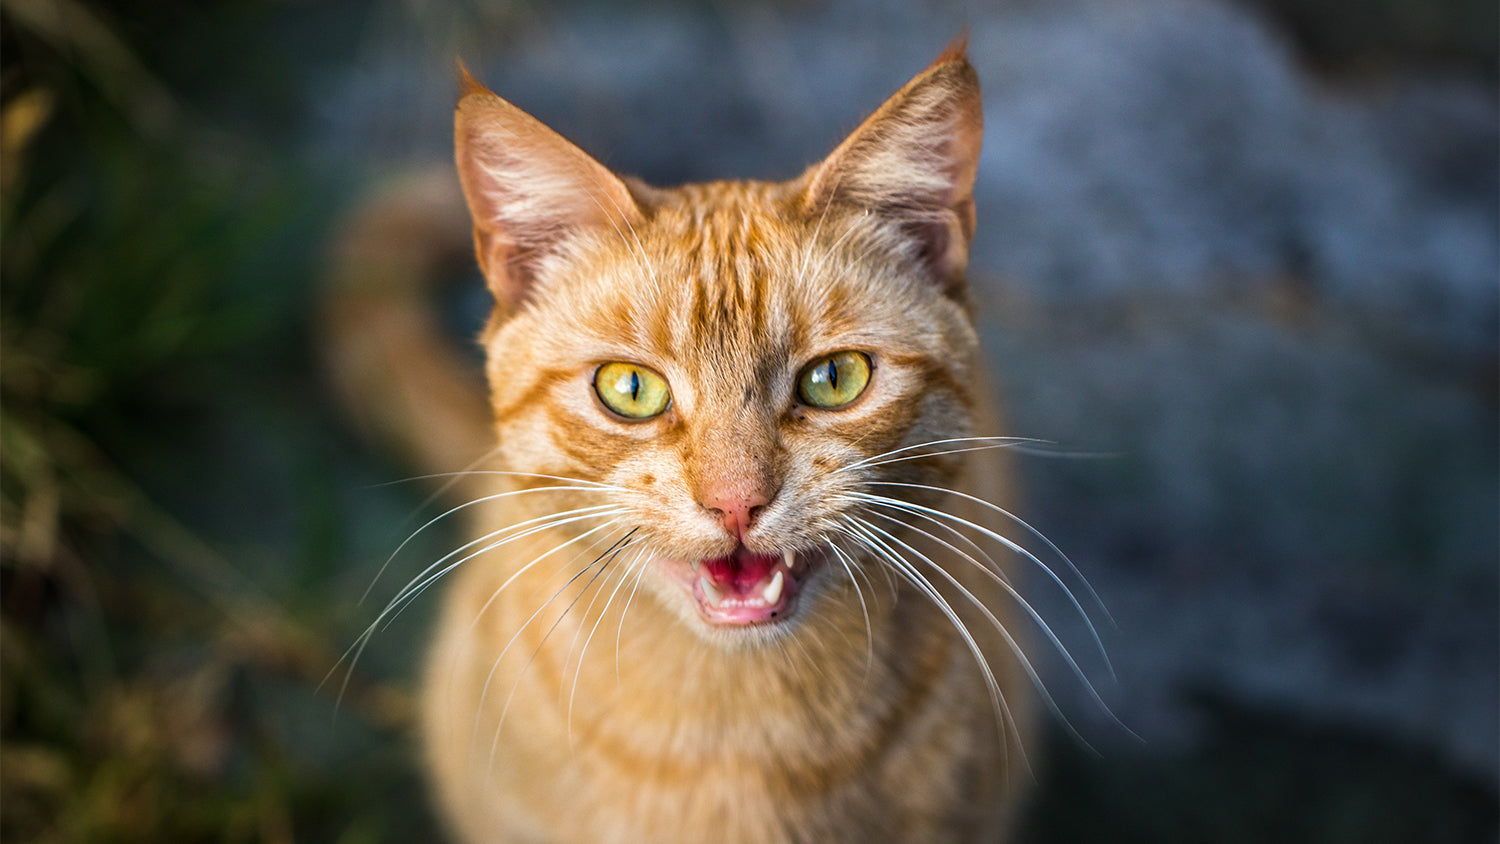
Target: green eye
[632, 391]
[834, 381]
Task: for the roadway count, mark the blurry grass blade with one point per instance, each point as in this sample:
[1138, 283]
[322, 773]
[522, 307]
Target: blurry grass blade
[75, 31]
[19, 122]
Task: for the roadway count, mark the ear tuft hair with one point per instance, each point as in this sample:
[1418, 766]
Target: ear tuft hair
[913, 163]
[467, 84]
[529, 189]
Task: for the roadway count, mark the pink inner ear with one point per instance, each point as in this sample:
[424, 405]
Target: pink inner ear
[528, 189]
[944, 246]
[914, 162]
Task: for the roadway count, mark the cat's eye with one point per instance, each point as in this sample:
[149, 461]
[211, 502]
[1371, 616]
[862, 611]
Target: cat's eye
[631, 390]
[835, 380]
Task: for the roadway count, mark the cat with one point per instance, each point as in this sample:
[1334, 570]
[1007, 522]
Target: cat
[730, 576]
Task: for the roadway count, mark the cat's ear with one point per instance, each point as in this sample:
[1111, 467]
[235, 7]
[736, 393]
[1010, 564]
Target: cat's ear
[913, 163]
[528, 189]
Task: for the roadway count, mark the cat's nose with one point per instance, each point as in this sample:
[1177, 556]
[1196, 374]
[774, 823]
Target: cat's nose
[737, 511]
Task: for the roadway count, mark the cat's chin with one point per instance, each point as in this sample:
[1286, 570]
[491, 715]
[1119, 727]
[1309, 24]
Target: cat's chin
[745, 590]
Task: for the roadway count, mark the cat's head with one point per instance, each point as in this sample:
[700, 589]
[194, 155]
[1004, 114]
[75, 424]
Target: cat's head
[734, 362]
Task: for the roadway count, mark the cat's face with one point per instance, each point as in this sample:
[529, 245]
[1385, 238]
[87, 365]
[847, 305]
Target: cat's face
[722, 367]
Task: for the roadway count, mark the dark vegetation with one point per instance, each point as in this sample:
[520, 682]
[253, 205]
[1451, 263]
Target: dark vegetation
[178, 502]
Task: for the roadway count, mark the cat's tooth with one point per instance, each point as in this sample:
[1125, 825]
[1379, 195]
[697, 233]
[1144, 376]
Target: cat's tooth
[772, 592]
[787, 558]
[695, 564]
[710, 591]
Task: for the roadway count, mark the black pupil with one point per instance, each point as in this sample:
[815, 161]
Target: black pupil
[833, 375]
[635, 386]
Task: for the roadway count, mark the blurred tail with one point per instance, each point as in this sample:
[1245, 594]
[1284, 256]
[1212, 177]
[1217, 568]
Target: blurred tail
[400, 377]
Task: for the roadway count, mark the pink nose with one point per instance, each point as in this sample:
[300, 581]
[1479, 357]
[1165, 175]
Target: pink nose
[737, 511]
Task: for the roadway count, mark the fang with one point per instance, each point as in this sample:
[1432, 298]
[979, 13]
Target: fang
[772, 592]
[710, 591]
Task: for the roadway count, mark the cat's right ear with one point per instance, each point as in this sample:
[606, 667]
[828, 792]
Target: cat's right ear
[528, 189]
[913, 162]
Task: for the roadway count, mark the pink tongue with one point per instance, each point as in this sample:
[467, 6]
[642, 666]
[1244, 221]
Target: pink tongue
[740, 572]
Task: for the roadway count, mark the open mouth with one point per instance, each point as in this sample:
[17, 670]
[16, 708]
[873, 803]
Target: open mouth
[746, 588]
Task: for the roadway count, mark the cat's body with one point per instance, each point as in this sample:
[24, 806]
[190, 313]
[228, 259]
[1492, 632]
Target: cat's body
[696, 624]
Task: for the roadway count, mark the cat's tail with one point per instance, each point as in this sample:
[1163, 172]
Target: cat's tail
[402, 379]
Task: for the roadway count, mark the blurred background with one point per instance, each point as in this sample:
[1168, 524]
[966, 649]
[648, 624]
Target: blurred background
[1245, 252]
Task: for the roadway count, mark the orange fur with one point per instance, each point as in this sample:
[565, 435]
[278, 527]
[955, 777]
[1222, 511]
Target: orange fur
[579, 694]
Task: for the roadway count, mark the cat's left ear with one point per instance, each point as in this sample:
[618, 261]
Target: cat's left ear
[913, 163]
[529, 190]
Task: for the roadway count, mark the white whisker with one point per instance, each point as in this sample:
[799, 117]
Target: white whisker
[1030, 612]
[862, 531]
[608, 557]
[620, 627]
[426, 578]
[472, 472]
[536, 560]
[994, 568]
[812, 242]
[1022, 523]
[642, 261]
[1008, 543]
[888, 457]
[452, 478]
[578, 670]
[489, 678]
[414, 588]
[864, 608]
[585, 486]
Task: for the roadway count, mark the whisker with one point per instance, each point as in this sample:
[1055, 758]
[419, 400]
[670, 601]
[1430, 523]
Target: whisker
[812, 241]
[484, 692]
[1051, 546]
[926, 454]
[568, 658]
[540, 524]
[857, 570]
[988, 443]
[1053, 451]
[464, 473]
[1008, 543]
[578, 670]
[611, 553]
[620, 627]
[536, 560]
[862, 531]
[573, 643]
[424, 580]
[994, 568]
[1025, 605]
[452, 478]
[864, 608]
[481, 500]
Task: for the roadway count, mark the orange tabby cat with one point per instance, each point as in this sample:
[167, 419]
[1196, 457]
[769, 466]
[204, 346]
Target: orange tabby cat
[715, 592]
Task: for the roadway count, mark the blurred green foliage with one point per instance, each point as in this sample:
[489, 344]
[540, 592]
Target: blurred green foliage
[154, 285]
